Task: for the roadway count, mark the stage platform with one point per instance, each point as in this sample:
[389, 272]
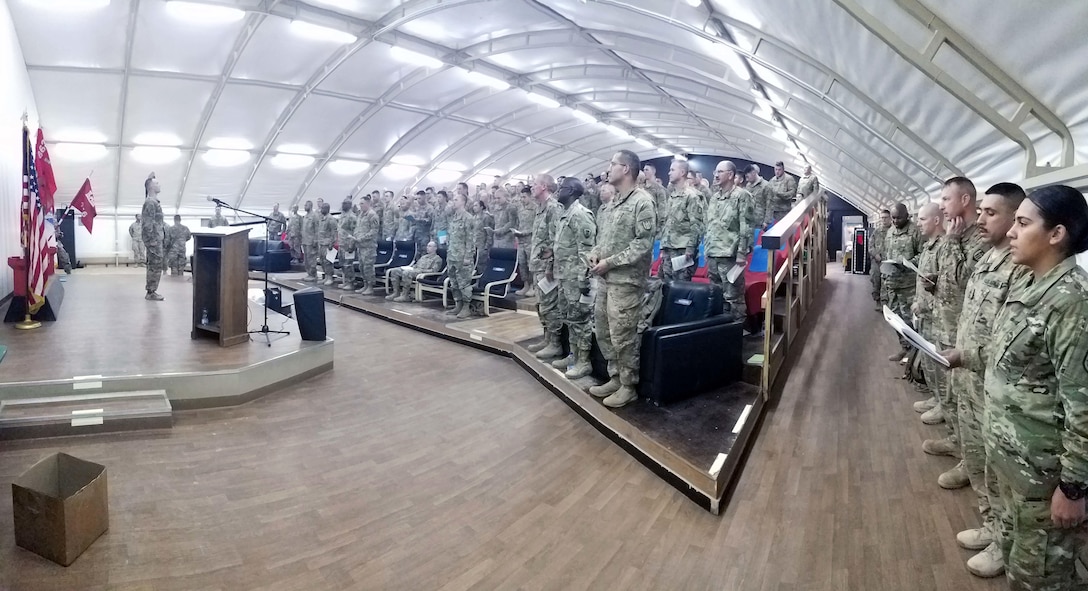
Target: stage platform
[696, 445]
[109, 339]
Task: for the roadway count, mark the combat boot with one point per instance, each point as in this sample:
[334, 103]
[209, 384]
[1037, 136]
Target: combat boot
[622, 397]
[974, 539]
[939, 447]
[457, 307]
[394, 296]
[368, 289]
[988, 563]
[933, 416]
[533, 348]
[400, 294]
[563, 362]
[898, 356]
[552, 349]
[924, 405]
[954, 478]
[582, 366]
[466, 312]
[605, 389]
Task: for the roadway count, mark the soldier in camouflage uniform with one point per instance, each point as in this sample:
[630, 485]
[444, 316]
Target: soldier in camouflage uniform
[367, 227]
[591, 198]
[391, 216]
[575, 235]
[310, 252]
[661, 198]
[930, 224]
[682, 224]
[294, 234]
[278, 223]
[784, 187]
[1036, 394]
[401, 278]
[440, 214]
[153, 233]
[526, 212]
[729, 237]
[139, 255]
[506, 218]
[763, 195]
[901, 242]
[218, 219]
[961, 249]
[808, 185]
[421, 218]
[622, 258]
[987, 289]
[63, 259]
[483, 231]
[541, 263]
[176, 237]
[326, 237]
[345, 237]
[876, 253]
[460, 257]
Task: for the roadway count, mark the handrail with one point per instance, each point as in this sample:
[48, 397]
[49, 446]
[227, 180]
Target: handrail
[772, 238]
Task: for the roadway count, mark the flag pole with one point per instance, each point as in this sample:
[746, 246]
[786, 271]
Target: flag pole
[27, 323]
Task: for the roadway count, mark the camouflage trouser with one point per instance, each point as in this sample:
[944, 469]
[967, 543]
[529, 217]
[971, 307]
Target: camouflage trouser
[63, 258]
[779, 210]
[460, 276]
[154, 266]
[547, 307]
[399, 279]
[898, 299]
[939, 382]
[139, 252]
[296, 247]
[523, 260]
[326, 265]
[874, 278]
[665, 270]
[367, 254]
[616, 317]
[718, 269]
[347, 266]
[311, 253]
[1039, 556]
[575, 315]
[175, 261]
[970, 394]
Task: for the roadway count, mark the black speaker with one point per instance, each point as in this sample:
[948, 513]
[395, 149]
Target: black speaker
[310, 313]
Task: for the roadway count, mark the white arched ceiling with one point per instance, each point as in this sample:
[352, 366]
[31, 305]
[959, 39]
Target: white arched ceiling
[884, 97]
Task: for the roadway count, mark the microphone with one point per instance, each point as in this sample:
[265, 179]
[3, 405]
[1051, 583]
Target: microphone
[215, 201]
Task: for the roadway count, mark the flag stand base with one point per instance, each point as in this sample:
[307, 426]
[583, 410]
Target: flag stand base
[28, 324]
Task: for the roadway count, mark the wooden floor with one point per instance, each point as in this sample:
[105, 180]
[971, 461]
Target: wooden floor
[423, 464]
[101, 305]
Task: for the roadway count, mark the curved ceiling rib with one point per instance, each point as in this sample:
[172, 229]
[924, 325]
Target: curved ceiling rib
[130, 40]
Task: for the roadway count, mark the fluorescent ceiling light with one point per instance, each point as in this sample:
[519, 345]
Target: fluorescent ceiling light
[584, 116]
[224, 158]
[407, 160]
[764, 111]
[302, 149]
[735, 63]
[492, 172]
[643, 142]
[80, 136]
[444, 176]
[79, 152]
[320, 33]
[399, 172]
[209, 14]
[412, 57]
[348, 167]
[230, 143]
[543, 100]
[292, 161]
[454, 166]
[781, 134]
[154, 138]
[481, 78]
[69, 4]
[695, 3]
[155, 154]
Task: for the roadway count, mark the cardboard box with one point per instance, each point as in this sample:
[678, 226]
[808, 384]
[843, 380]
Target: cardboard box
[60, 507]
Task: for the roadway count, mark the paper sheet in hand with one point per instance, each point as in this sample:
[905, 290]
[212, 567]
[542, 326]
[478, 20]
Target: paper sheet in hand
[681, 262]
[349, 255]
[733, 273]
[546, 286]
[914, 268]
[913, 337]
[331, 255]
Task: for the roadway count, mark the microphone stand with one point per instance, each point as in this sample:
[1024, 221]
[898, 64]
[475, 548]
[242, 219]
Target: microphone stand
[264, 327]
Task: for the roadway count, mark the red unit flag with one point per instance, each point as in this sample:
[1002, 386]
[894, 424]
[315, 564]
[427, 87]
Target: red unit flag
[47, 184]
[84, 204]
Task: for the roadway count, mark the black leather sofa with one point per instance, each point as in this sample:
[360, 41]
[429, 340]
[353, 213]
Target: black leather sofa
[278, 258]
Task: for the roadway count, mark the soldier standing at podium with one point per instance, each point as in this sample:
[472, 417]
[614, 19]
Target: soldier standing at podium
[152, 231]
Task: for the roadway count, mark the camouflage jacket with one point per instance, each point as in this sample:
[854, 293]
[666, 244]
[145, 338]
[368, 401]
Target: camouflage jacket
[575, 234]
[440, 219]
[808, 185]
[540, 250]
[591, 199]
[309, 227]
[661, 203]
[626, 240]
[218, 220]
[506, 219]
[294, 226]
[958, 258]
[483, 230]
[784, 188]
[987, 289]
[460, 247]
[927, 264]
[728, 230]
[900, 244]
[391, 221]
[876, 242]
[762, 202]
[526, 214]
[683, 220]
[279, 223]
[152, 228]
[176, 237]
[428, 263]
[1037, 383]
[326, 230]
[367, 228]
[134, 232]
[345, 230]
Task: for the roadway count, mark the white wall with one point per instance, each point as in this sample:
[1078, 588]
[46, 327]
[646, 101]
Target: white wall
[111, 234]
[16, 96]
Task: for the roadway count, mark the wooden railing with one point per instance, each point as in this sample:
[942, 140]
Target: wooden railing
[791, 286]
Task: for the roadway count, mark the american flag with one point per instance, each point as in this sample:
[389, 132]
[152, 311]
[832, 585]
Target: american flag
[36, 231]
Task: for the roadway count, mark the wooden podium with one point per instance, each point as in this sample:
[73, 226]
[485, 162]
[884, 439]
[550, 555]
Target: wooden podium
[220, 280]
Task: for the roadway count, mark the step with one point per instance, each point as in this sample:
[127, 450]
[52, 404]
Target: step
[83, 414]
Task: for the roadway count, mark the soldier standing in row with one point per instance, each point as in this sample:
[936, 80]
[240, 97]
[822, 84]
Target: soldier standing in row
[176, 237]
[682, 224]
[460, 257]
[326, 237]
[278, 223]
[310, 250]
[808, 185]
[762, 196]
[931, 227]
[153, 233]
[541, 264]
[294, 234]
[622, 257]
[367, 227]
[505, 218]
[876, 250]
[526, 210]
[139, 255]
[345, 238]
[785, 188]
[729, 237]
[575, 235]
[901, 242]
